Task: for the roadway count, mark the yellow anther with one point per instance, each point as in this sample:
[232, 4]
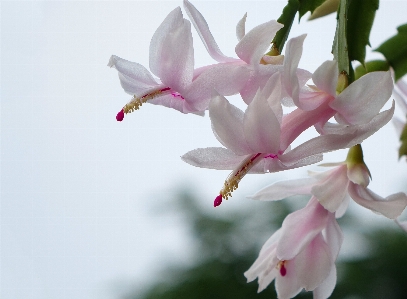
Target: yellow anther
[136, 103]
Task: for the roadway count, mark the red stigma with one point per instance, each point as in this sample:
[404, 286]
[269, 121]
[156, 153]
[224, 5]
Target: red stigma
[217, 201]
[283, 270]
[120, 115]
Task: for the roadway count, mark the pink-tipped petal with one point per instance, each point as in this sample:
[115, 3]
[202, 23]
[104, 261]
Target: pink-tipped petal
[254, 44]
[300, 228]
[227, 125]
[134, 78]
[313, 264]
[343, 207]
[333, 236]
[171, 23]
[326, 77]
[284, 189]
[288, 286]
[332, 189]
[363, 99]
[205, 34]
[325, 289]
[391, 206]
[293, 54]
[226, 79]
[172, 53]
[261, 126]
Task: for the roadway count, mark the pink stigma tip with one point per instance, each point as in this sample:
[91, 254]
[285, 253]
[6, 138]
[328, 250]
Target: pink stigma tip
[120, 115]
[283, 270]
[217, 201]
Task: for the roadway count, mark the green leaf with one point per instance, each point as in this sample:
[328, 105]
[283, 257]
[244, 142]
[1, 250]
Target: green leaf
[371, 66]
[395, 51]
[309, 5]
[360, 17]
[340, 46]
[286, 18]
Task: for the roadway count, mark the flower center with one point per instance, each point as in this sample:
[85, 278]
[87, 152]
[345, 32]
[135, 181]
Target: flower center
[136, 102]
[232, 181]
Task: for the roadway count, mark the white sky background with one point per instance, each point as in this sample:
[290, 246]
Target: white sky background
[77, 187]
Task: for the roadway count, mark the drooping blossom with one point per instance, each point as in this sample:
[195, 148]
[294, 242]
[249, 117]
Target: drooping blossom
[172, 60]
[258, 140]
[334, 188]
[300, 255]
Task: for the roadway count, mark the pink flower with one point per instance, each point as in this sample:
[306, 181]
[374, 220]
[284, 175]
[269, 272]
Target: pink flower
[301, 254]
[250, 50]
[258, 140]
[172, 60]
[335, 187]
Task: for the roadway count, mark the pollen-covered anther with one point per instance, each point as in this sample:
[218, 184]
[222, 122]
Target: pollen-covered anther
[136, 103]
[232, 182]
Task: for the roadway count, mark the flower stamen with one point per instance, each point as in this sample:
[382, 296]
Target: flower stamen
[137, 102]
[232, 181]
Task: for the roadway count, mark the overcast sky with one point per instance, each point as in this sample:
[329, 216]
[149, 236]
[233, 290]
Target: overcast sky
[78, 188]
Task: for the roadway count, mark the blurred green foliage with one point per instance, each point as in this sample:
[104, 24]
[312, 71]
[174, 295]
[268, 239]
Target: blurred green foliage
[227, 245]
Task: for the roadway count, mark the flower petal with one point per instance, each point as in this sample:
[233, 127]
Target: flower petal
[134, 78]
[331, 191]
[201, 26]
[284, 189]
[227, 125]
[254, 44]
[174, 102]
[333, 236]
[364, 98]
[292, 55]
[265, 265]
[313, 264]
[258, 79]
[261, 126]
[391, 206]
[343, 207]
[346, 137]
[171, 23]
[212, 158]
[326, 77]
[172, 53]
[288, 286]
[226, 79]
[325, 289]
[300, 228]
[241, 28]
